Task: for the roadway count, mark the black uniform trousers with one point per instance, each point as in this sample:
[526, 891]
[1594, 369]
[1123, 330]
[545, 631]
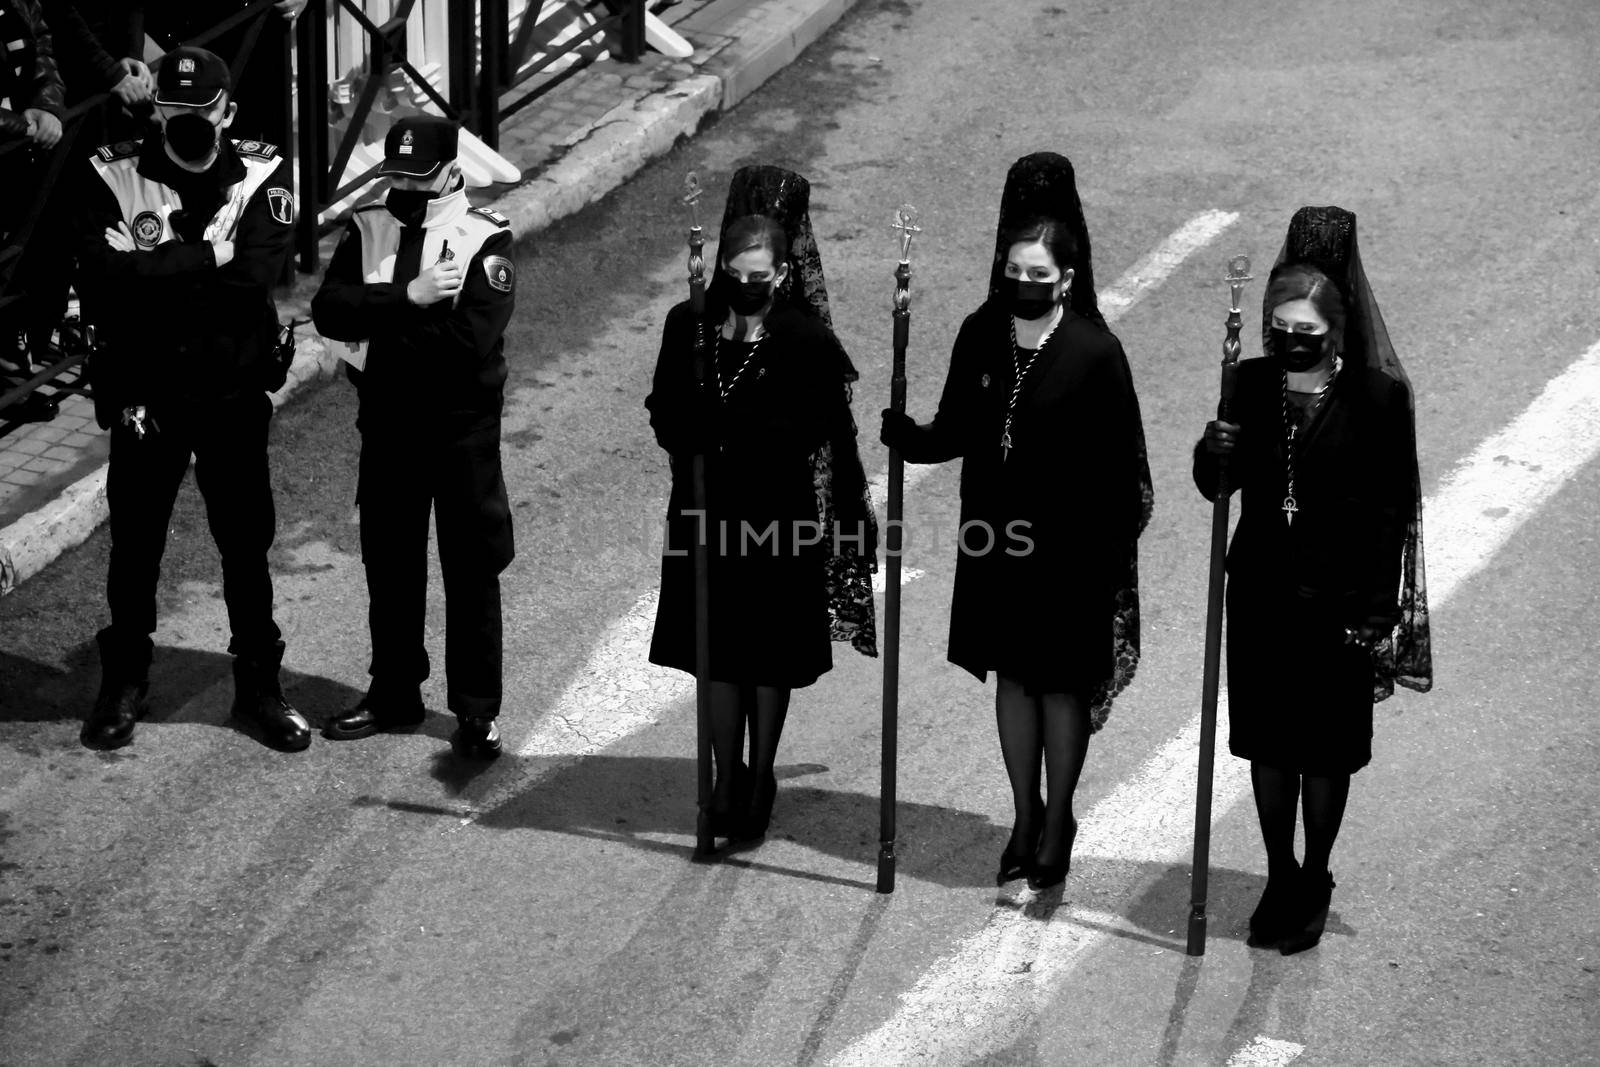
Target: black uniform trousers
[228, 440]
[403, 478]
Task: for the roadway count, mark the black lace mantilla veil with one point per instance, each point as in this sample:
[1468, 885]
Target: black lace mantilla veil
[837, 474]
[1325, 237]
[1043, 185]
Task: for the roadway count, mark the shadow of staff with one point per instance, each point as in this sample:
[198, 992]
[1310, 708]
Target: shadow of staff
[632, 800]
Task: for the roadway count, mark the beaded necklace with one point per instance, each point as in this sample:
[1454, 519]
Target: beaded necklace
[1291, 507]
[723, 389]
[1019, 374]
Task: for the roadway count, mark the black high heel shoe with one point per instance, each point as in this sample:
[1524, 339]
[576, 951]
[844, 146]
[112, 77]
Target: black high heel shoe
[726, 822]
[1309, 915]
[1050, 875]
[1271, 920]
[752, 828]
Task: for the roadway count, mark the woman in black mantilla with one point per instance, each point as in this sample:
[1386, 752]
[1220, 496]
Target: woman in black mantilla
[792, 537]
[1326, 599]
[1046, 586]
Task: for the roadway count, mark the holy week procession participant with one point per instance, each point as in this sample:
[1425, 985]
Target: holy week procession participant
[1326, 596]
[181, 239]
[420, 290]
[1046, 585]
[791, 535]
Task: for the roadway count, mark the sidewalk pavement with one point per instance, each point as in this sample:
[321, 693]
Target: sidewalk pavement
[574, 145]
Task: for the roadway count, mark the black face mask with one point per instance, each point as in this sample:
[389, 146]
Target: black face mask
[1032, 300]
[750, 297]
[410, 206]
[1297, 351]
[191, 137]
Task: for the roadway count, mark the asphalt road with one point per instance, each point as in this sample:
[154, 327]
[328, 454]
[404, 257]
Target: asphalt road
[196, 898]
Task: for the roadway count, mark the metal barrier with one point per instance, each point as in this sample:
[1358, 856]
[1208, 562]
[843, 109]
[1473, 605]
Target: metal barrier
[473, 54]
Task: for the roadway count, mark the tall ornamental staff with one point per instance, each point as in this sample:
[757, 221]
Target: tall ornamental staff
[704, 842]
[906, 223]
[1238, 274]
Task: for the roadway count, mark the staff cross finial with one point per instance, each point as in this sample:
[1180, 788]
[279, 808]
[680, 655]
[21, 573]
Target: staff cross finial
[905, 221]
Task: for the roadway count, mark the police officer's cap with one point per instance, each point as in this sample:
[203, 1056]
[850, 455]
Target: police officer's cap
[417, 146]
[192, 77]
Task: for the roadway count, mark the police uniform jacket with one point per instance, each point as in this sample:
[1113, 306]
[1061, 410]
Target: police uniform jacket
[436, 371]
[174, 324]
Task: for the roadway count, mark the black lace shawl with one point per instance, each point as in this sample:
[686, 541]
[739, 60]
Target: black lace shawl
[1043, 185]
[840, 481]
[1325, 237]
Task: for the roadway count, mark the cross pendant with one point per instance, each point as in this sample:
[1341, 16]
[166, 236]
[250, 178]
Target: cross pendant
[1290, 508]
[1005, 447]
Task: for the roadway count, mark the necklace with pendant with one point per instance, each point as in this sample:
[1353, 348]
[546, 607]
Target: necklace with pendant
[1291, 507]
[1020, 371]
[723, 389]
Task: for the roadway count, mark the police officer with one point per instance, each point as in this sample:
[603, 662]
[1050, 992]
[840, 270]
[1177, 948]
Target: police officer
[420, 290]
[183, 234]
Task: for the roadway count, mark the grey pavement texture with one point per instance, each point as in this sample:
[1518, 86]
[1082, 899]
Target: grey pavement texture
[197, 898]
[577, 143]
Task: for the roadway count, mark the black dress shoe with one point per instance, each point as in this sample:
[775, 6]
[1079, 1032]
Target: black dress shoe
[116, 711]
[476, 739]
[366, 719]
[1309, 915]
[1270, 921]
[280, 725]
[1049, 875]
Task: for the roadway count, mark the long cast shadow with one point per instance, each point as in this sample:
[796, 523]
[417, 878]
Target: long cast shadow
[186, 686]
[636, 799]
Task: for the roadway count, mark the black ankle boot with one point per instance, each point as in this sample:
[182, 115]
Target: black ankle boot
[258, 699]
[1309, 915]
[1270, 921]
[116, 711]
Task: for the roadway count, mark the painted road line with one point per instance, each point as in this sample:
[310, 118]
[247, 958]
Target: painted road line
[1147, 822]
[1130, 288]
[1266, 1052]
[618, 691]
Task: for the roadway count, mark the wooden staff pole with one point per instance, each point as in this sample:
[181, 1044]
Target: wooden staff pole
[906, 224]
[704, 841]
[1238, 274]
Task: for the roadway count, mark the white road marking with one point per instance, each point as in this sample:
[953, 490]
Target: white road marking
[976, 999]
[1265, 1052]
[618, 691]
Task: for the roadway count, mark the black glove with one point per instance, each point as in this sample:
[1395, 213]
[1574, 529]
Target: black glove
[898, 429]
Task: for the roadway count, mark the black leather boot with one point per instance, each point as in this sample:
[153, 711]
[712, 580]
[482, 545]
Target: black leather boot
[258, 698]
[120, 703]
[116, 710]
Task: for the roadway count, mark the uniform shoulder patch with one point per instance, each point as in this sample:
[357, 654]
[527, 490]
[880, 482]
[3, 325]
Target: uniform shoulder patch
[501, 272]
[120, 150]
[492, 215]
[256, 149]
[280, 202]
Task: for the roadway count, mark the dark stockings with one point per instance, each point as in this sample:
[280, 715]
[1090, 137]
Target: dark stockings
[1048, 733]
[1322, 800]
[765, 708]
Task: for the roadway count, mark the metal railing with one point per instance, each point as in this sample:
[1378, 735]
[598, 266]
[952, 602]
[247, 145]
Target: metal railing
[491, 49]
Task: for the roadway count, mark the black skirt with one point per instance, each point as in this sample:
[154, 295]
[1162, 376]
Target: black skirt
[1299, 696]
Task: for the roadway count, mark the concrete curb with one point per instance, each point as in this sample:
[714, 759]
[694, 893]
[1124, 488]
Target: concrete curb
[602, 156]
